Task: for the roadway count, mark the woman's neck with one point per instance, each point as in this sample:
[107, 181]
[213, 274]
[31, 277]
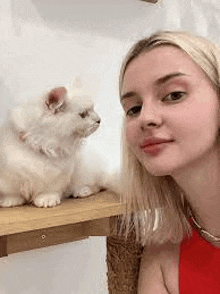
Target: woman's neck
[201, 184]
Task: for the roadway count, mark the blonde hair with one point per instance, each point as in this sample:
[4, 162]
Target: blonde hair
[156, 206]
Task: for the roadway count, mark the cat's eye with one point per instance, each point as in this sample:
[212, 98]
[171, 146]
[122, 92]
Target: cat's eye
[134, 111]
[84, 114]
[174, 96]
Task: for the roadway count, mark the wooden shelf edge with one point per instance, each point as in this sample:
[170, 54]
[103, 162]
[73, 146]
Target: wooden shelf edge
[71, 211]
[28, 228]
[36, 239]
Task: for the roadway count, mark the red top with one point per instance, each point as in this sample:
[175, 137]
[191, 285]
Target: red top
[199, 266]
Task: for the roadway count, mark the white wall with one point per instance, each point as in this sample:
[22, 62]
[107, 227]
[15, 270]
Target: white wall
[68, 269]
[45, 43]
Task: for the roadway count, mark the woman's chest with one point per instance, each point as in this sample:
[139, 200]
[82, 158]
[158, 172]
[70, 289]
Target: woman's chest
[170, 270]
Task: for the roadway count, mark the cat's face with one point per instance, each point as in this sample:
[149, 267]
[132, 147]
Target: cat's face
[61, 113]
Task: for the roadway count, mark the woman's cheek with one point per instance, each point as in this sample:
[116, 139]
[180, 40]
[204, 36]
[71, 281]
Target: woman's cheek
[131, 134]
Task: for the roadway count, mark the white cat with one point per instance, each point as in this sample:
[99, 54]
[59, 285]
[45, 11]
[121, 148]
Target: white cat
[41, 150]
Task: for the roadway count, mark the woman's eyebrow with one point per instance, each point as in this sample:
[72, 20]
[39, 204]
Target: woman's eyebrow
[158, 82]
[167, 77]
[127, 95]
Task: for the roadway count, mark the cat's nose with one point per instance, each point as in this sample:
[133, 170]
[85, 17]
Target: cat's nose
[98, 121]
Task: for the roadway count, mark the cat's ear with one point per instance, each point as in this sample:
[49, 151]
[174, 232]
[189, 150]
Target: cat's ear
[56, 98]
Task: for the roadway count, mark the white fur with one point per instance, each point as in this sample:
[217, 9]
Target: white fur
[41, 150]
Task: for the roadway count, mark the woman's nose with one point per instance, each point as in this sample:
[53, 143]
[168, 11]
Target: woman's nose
[150, 118]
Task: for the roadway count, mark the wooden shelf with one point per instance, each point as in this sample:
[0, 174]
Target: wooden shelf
[28, 227]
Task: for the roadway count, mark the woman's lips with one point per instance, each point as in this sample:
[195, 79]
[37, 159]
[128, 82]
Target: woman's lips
[154, 146]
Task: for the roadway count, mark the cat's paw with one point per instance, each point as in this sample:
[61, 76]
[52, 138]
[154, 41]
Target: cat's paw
[47, 200]
[85, 191]
[11, 201]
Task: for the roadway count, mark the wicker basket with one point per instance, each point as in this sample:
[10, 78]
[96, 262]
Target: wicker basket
[123, 262]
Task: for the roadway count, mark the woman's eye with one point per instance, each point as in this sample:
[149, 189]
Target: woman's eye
[174, 96]
[134, 110]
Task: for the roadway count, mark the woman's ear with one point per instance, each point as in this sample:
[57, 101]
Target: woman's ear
[56, 98]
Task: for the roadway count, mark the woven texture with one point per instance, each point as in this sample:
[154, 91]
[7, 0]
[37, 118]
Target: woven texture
[123, 262]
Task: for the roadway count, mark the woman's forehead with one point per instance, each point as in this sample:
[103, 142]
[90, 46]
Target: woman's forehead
[158, 63]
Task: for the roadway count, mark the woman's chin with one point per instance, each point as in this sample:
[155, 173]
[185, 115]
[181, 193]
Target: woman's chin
[159, 171]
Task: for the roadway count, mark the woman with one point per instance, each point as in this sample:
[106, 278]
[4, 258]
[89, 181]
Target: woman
[169, 89]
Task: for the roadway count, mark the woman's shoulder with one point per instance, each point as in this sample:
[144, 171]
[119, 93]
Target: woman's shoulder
[159, 270]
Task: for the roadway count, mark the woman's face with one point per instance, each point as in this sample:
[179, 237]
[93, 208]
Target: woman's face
[172, 111]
